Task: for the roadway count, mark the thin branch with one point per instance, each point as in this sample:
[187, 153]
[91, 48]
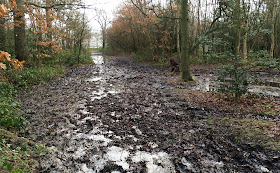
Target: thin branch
[152, 9]
[57, 5]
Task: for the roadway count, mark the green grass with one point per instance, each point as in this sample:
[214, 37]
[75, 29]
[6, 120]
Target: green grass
[84, 59]
[94, 49]
[248, 131]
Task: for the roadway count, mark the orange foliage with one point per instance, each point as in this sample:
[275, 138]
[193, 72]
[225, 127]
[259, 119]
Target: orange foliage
[133, 31]
[14, 4]
[41, 25]
[18, 64]
[5, 57]
[3, 10]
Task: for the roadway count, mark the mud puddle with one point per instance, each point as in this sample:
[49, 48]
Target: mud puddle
[119, 116]
[82, 142]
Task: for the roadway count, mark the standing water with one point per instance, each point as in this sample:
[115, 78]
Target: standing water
[112, 158]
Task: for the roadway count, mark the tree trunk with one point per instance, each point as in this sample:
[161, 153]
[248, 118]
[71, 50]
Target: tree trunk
[198, 26]
[185, 62]
[245, 46]
[81, 39]
[178, 30]
[272, 46]
[237, 29]
[277, 34]
[2, 34]
[19, 31]
[103, 38]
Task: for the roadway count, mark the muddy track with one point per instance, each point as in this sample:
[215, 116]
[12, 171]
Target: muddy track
[123, 117]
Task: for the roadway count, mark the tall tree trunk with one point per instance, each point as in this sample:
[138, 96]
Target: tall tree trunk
[237, 24]
[48, 19]
[205, 28]
[19, 31]
[178, 30]
[185, 61]
[245, 45]
[246, 18]
[198, 26]
[273, 21]
[2, 32]
[81, 38]
[277, 34]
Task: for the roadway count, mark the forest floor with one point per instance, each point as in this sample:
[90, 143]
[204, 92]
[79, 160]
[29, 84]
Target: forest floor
[120, 116]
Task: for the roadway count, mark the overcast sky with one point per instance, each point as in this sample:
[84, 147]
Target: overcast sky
[108, 5]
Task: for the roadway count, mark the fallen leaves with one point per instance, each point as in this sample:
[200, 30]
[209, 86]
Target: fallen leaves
[255, 132]
[218, 101]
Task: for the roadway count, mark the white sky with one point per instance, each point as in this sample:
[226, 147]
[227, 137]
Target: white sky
[108, 5]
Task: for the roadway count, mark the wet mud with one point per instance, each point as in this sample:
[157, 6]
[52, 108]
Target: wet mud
[119, 116]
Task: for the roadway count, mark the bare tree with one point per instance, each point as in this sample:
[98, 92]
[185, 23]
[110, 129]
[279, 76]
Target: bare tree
[103, 20]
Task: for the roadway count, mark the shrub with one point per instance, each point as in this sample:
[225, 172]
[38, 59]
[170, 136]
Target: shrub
[233, 80]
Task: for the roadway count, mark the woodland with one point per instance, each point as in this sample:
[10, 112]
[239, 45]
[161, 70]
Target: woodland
[176, 86]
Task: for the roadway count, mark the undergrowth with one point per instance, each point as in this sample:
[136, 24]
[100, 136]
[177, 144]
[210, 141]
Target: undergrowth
[18, 155]
[35, 76]
[9, 108]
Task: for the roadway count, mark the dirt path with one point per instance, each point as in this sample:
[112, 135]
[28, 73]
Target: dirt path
[122, 117]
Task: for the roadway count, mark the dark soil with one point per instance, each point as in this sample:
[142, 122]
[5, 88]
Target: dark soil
[122, 106]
